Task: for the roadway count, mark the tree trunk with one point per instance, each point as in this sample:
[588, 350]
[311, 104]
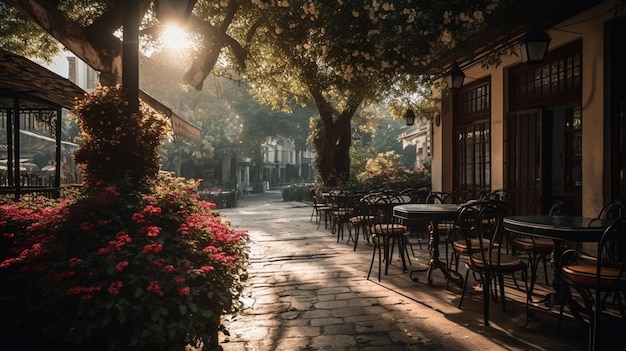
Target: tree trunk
[333, 146]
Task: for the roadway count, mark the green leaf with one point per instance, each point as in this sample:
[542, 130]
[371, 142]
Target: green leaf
[182, 309]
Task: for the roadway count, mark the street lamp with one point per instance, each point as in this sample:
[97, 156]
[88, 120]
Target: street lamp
[409, 117]
[455, 77]
[535, 46]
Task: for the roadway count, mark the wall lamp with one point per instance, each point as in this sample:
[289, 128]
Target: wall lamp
[535, 46]
[409, 117]
[455, 77]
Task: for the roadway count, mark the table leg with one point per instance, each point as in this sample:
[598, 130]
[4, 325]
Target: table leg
[436, 263]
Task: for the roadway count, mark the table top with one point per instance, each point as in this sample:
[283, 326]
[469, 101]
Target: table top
[558, 227]
[426, 211]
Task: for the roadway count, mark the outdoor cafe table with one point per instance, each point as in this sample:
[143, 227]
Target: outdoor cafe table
[432, 213]
[559, 229]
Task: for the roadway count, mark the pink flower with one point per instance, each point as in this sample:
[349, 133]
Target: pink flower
[121, 265]
[138, 217]
[152, 248]
[154, 287]
[86, 226]
[207, 268]
[115, 287]
[159, 262]
[183, 291]
[74, 261]
[152, 231]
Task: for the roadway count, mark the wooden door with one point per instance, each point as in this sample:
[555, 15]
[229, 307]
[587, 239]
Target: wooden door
[524, 172]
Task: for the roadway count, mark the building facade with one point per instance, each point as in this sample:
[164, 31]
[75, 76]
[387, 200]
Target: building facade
[556, 129]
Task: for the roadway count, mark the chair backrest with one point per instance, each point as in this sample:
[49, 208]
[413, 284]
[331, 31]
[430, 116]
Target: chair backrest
[465, 218]
[418, 196]
[612, 252]
[441, 197]
[379, 208]
[464, 195]
[489, 232]
[612, 210]
[560, 208]
[541, 206]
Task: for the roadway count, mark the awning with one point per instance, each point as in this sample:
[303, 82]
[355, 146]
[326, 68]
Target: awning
[180, 125]
[19, 75]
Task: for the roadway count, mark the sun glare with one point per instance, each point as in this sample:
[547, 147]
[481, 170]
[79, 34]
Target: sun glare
[174, 37]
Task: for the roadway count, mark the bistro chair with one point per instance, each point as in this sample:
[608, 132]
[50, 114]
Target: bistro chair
[597, 281]
[358, 223]
[464, 225]
[386, 231]
[341, 211]
[538, 250]
[417, 228]
[488, 259]
[320, 209]
[612, 210]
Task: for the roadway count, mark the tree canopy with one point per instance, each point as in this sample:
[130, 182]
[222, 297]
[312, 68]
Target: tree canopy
[334, 56]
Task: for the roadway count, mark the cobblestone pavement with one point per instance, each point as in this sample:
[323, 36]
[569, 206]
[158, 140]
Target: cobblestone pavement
[308, 292]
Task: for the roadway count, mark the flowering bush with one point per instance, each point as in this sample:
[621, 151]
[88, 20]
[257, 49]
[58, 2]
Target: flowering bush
[124, 265]
[117, 143]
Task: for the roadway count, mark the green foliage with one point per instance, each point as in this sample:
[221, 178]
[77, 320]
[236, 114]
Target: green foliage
[297, 192]
[386, 165]
[20, 35]
[117, 143]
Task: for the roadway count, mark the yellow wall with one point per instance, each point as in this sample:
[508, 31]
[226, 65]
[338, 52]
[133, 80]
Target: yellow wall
[588, 25]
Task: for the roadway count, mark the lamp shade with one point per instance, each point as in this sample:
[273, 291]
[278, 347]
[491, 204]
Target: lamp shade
[409, 117]
[535, 46]
[174, 11]
[455, 77]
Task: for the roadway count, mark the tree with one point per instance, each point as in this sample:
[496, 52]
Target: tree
[334, 56]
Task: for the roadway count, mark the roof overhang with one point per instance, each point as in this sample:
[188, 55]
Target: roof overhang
[21, 76]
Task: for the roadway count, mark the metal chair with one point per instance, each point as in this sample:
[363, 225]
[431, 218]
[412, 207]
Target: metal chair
[596, 280]
[488, 258]
[386, 231]
[538, 250]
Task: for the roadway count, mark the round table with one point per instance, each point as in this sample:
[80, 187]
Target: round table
[432, 213]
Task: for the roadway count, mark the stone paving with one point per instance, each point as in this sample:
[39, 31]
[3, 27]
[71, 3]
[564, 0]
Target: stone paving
[306, 291]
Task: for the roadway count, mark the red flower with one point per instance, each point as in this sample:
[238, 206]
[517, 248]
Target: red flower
[121, 265]
[183, 291]
[115, 287]
[154, 287]
[75, 262]
[152, 248]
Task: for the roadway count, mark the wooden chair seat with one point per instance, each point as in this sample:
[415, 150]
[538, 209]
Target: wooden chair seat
[390, 229]
[499, 261]
[585, 275]
[460, 246]
[537, 245]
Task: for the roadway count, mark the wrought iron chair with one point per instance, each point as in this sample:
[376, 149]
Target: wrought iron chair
[358, 223]
[386, 231]
[341, 211]
[320, 209]
[597, 280]
[488, 258]
[538, 250]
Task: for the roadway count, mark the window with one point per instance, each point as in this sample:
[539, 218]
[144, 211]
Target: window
[472, 128]
[473, 156]
[559, 77]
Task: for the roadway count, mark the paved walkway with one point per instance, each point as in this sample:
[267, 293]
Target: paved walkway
[308, 292]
